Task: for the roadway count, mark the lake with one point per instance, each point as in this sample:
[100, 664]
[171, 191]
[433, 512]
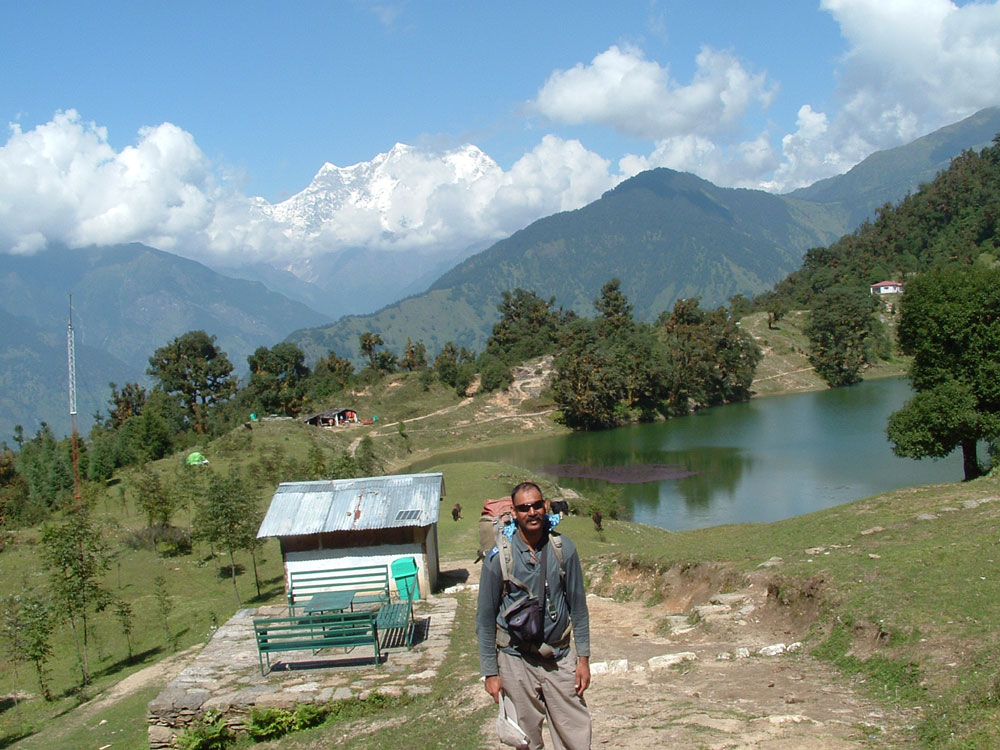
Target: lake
[765, 460]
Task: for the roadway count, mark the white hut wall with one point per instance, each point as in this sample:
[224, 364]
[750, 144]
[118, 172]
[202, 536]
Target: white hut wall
[350, 549]
[432, 568]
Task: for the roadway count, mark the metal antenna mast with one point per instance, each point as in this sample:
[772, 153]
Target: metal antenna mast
[71, 361]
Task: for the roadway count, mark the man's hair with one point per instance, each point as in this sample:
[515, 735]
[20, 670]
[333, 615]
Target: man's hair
[525, 486]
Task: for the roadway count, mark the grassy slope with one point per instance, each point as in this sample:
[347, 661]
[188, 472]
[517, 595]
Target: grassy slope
[925, 586]
[786, 368]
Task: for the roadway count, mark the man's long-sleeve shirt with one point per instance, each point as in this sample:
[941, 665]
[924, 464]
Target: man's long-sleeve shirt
[566, 596]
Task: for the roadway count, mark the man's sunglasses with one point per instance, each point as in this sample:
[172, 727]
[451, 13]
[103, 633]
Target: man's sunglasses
[524, 508]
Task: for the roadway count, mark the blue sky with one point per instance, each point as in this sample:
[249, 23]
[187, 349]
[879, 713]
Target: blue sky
[223, 101]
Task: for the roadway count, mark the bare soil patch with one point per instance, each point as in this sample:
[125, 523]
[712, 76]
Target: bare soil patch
[723, 693]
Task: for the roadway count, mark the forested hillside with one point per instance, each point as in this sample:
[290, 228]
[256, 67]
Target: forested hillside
[127, 300]
[665, 234]
[886, 176]
[954, 220]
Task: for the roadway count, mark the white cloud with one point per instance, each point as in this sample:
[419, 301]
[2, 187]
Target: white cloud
[62, 182]
[557, 175]
[910, 68]
[412, 198]
[638, 97]
[738, 165]
[912, 64]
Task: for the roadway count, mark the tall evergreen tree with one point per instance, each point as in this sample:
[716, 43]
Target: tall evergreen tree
[277, 378]
[844, 334]
[528, 327]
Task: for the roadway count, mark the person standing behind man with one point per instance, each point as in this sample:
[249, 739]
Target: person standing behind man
[545, 676]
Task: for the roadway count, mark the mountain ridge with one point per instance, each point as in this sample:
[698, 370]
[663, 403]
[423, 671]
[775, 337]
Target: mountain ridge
[128, 300]
[718, 244]
[665, 234]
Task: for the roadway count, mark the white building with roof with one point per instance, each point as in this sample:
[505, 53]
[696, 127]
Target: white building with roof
[887, 287]
[344, 523]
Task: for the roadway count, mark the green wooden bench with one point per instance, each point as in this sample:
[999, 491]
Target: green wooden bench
[397, 616]
[345, 630]
[370, 584]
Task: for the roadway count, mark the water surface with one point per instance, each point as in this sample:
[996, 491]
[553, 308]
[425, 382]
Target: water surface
[765, 460]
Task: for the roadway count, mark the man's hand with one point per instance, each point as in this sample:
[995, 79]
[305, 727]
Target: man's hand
[582, 674]
[493, 685]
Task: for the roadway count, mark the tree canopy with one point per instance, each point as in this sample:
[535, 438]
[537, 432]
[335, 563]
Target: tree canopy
[844, 334]
[950, 323]
[198, 372]
[614, 369]
[711, 360]
[277, 378]
[528, 327]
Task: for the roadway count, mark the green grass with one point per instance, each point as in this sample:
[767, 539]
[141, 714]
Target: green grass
[201, 591]
[785, 367]
[202, 597]
[119, 725]
[910, 610]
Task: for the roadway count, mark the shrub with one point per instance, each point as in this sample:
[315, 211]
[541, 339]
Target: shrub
[309, 715]
[211, 733]
[269, 723]
[494, 374]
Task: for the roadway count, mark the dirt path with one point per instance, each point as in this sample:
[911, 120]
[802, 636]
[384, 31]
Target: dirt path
[719, 696]
[528, 382]
[378, 433]
[783, 374]
[722, 692]
[156, 674]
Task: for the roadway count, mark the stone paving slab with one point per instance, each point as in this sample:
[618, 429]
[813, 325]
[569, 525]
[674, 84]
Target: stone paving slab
[226, 676]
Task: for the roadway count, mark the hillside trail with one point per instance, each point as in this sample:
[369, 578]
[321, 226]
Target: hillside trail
[528, 382]
[378, 433]
[683, 674]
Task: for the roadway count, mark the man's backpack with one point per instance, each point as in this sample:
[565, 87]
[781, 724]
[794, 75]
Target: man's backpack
[495, 514]
[493, 520]
[529, 609]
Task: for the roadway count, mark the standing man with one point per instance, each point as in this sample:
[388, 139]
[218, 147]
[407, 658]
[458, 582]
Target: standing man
[524, 646]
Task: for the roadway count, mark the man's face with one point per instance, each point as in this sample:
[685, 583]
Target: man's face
[529, 509]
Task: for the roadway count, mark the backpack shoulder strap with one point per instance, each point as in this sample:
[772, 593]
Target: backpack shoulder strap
[557, 547]
[505, 552]
[505, 549]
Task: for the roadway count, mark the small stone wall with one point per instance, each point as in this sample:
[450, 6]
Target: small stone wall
[226, 676]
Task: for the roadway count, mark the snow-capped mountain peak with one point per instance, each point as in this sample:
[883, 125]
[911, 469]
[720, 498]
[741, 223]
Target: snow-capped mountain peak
[394, 189]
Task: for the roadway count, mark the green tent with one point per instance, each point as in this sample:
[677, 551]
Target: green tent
[196, 459]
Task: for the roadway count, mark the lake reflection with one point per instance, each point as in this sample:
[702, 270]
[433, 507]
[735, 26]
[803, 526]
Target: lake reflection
[764, 460]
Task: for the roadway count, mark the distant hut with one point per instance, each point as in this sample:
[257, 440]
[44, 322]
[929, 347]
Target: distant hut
[332, 417]
[887, 287]
[343, 523]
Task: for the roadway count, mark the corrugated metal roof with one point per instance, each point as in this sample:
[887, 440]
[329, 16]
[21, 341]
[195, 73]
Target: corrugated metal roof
[353, 504]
